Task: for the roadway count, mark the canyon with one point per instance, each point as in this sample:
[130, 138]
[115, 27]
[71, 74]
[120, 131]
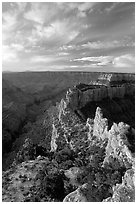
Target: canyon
[82, 149]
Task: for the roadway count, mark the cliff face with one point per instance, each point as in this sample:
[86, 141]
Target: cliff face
[117, 77]
[79, 96]
[77, 99]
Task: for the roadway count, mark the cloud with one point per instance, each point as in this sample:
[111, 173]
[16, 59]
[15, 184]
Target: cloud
[126, 60]
[17, 47]
[57, 32]
[44, 59]
[96, 61]
[80, 8]
[67, 47]
[12, 53]
[36, 13]
[10, 17]
[63, 53]
[43, 13]
[42, 33]
[112, 7]
[107, 44]
[99, 58]
[21, 6]
[84, 7]
[9, 54]
[8, 25]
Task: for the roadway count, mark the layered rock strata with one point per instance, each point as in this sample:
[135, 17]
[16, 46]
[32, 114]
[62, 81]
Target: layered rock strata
[77, 99]
[115, 86]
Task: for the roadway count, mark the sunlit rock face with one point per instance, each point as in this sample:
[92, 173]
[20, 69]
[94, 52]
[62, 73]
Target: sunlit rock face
[61, 107]
[117, 158]
[117, 77]
[117, 149]
[54, 138]
[100, 128]
[79, 96]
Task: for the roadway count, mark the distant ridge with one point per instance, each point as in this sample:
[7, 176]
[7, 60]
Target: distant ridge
[67, 71]
[6, 71]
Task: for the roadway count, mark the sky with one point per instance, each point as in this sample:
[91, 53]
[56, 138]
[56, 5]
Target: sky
[91, 36]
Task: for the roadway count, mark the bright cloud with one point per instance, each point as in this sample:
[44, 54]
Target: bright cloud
[107, 44]
[44, 59]
[127, 60]
[99, 58]
[17, 47]
[67, 47]
[9, 54]
[63, 53]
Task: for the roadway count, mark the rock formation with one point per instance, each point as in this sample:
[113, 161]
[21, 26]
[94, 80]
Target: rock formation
[100, 128]
[54, 138]
[117, 77]
[78, 97]
[124, 192]
[76, 196]
[117, 157]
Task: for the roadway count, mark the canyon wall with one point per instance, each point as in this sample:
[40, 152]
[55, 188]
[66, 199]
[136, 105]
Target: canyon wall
[77, 99]
[117, 77]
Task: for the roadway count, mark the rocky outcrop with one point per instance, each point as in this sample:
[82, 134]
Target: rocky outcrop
[61, 107]
[76, 196]
[100, 128]
[118, 146]
[54, 138]
[117, 158]
[124, 192]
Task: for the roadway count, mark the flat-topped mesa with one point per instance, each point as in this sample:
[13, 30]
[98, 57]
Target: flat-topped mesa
[81, 94]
